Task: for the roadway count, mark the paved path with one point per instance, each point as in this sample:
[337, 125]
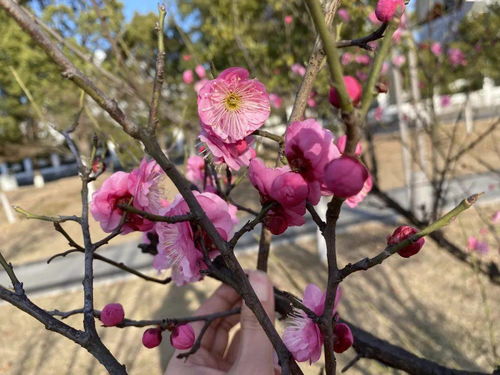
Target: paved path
[67, 273]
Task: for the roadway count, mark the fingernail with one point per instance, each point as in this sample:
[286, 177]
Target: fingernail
[260, 285]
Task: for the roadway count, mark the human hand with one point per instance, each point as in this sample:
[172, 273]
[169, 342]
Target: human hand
[250, 352]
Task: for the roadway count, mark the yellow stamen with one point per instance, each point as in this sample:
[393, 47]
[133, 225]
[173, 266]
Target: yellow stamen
[232, 101]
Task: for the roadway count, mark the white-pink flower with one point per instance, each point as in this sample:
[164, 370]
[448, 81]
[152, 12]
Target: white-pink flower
[195, 172]
[200, 71]
[436, 49]
[276, 100]
[232, 106]
[495, 218]
[474, 244]
[179, 246]
[145, 184]
[298, 69]
[188, 77]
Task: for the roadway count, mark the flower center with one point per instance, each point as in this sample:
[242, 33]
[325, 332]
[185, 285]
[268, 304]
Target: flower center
[232, 101]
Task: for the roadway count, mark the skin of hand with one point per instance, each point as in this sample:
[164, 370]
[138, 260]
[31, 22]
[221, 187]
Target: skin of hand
[250, 352]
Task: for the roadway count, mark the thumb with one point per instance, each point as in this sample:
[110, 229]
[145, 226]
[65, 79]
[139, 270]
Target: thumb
[256, 351]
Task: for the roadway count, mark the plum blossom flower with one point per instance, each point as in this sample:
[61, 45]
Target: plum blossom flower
[144, 183]
[345, 176]
[188, 77]
[398, 60]
[386, 9]
[346, 58]
[182, 337]
[276, 100]
[362, 59]
[105, 201]
[199, 85]
[445, 100]
[112, 314]
[373, 18]
[298, 69]
[179, 244]
[288, 19]
[200, 71]
[303, 337]
[480, 247]
[309, 148]
[354, 200]
[495, 218]
[311, 101]
[436, 49]
[235, 155]
[232, 106]
[151, 337]
[353, 88]
[456, 57]
[385, 68]
[344, 14]
[269, 182]
[195, 172]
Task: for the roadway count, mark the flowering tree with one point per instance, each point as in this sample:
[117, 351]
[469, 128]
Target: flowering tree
[195, 235]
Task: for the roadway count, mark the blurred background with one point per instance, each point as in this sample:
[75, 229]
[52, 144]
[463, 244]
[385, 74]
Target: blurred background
[432, 139]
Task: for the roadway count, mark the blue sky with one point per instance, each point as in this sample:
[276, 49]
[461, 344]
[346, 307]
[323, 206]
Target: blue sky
[141, 6]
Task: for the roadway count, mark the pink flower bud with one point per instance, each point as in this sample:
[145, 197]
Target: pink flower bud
[182, 337]
[188, 77]
[386, 8]
[112, 314]
[343, 338]
[354, 90]
[344, 14]
[288, 20]
[289, 189]
[345, 176]
[401, 233]
[200, 70]
[151, 338]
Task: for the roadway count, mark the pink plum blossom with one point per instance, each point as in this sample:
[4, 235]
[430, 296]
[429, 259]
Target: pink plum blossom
[480, 247]
[186, 57]
[200, 71]
[344, 14]
[279, 218]
[303, 337]
[363, 59]
[353, 88]
[195, 172]
[345, 176]
[311, 101]
[290, 189]
[456, 57]
[298, 69]
[232, 106]
[396, 37]
[179, 244]
[362, 76]
[105, 201]
[342, 141]
[276, 100]
[354, 200]
[398, 60]
[144, 183]
[373, 18]
[188, 77]
[199, 85]
[346, 58]
[385, 68]
[182, 337]
[288, 19]
[495, 218]
[112, 314]
[308, 148]
[386, 9]
[401, 233]
[235, 155]
[151, 337]
[436, 49]
[445, 100]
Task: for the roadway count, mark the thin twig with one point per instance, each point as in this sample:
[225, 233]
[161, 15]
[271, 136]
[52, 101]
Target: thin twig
[317, 219]
[153, 217]
[363, 41]
[251, 224]
[53, 219]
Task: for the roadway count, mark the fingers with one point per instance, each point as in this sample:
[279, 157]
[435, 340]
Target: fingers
[255, 355]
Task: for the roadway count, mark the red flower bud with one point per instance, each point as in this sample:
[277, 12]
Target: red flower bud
[345, 176]
[343, 338]
[182, 337]
[151, 338]
[402, 233]
[112, 314]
